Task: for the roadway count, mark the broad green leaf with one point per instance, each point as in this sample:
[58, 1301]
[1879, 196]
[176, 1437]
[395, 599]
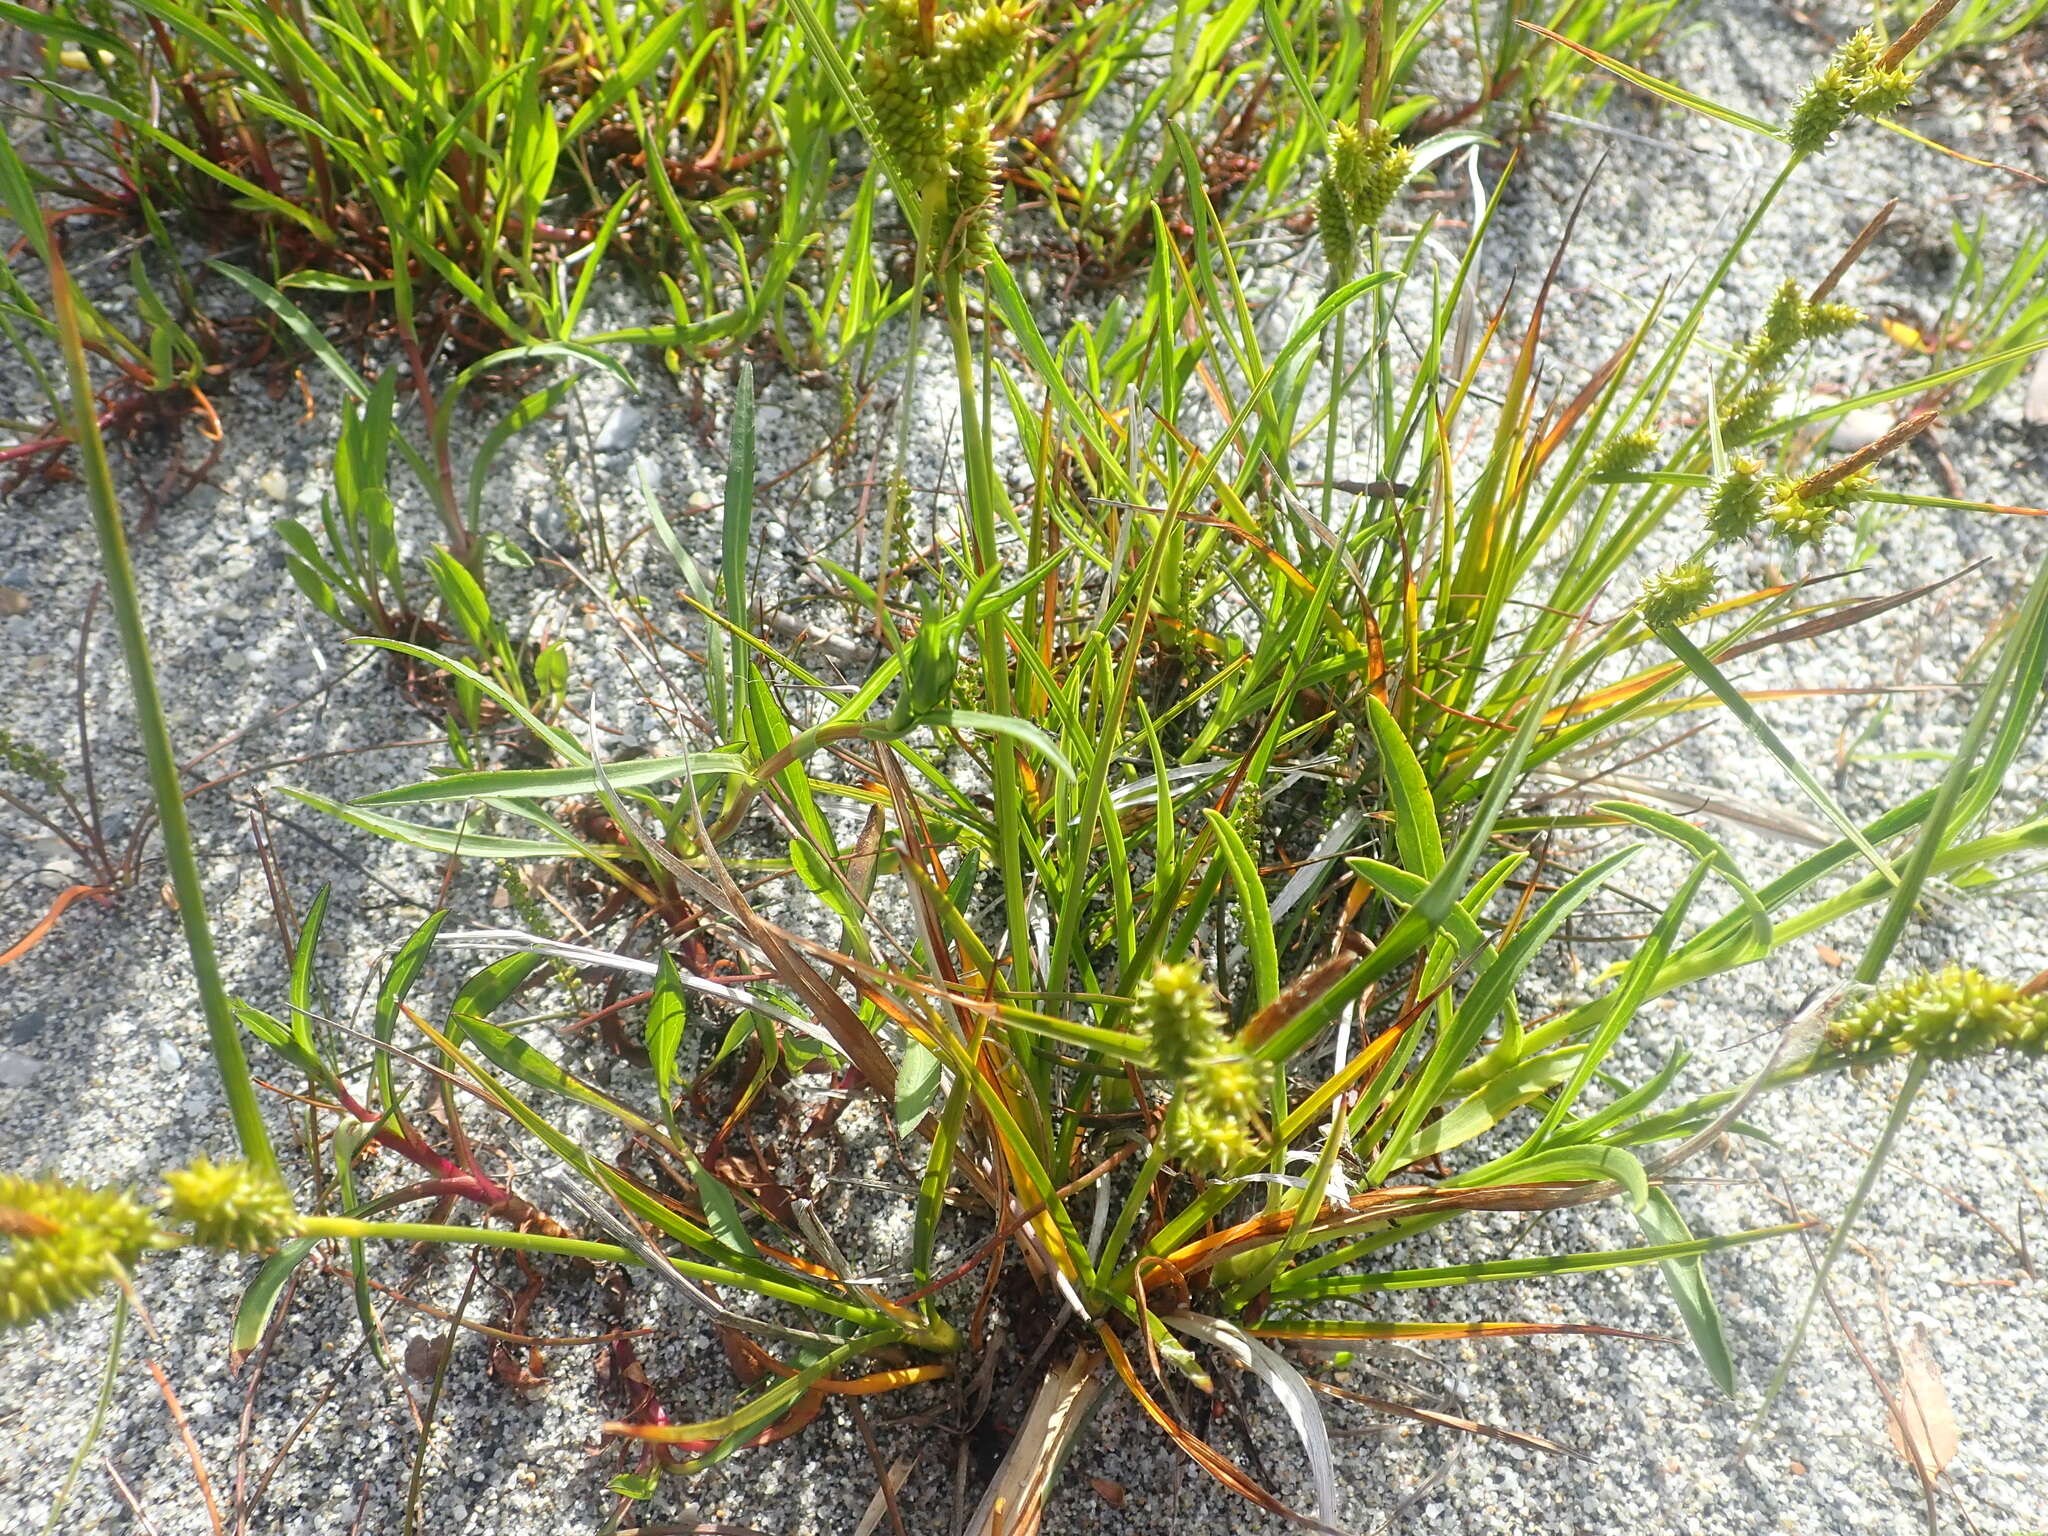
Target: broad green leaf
[666, 1017]
[1416, 832]
[1662, 1225]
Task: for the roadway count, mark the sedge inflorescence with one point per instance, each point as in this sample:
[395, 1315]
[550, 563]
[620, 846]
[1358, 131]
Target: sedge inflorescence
[1857, 82]
[1213, 1121]
[1676, 593]
[1949, 1014]
[228, 1205]
[929, 94]
[1367, 168]
[62, 1243]
[1624, 454]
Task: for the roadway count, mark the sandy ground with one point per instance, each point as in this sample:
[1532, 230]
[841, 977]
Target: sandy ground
[104, 1075]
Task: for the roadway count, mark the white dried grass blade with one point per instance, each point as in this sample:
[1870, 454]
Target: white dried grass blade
[1297, 1399]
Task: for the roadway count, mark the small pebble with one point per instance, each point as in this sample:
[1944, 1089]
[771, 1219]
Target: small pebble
[13, 602]
[17, 1070]
[621, 429]
[274, 485]
[167, 1057]
[1859, 429]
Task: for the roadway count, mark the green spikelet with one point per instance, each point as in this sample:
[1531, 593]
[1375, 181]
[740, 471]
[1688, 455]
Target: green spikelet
[1949, 1014]
[228, 1205]
[1366, 170]
[1333, 224]
[1213, 1122]
[63, 1243]
[972, 46]
[894, 79]
[1817, 322]
[1675, 594]
[1625, 454]
[971, 192]
[1853, 83]
[1798, 520]
[1782, 330]
[1736, 503]
[1181, 1015]
[1349, 162]
[1823, 107]
[1389, 165]
[1883, 91]
[1803, 517]
[1749, 413]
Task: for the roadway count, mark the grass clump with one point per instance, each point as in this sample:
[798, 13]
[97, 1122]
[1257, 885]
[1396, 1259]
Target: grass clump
[1170, 892]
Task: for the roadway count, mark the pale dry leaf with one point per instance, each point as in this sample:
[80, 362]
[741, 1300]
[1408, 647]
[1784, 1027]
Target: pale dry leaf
[1922, 1424]
[2036, 408]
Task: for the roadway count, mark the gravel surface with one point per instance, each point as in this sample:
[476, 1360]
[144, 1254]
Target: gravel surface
[104, 1073]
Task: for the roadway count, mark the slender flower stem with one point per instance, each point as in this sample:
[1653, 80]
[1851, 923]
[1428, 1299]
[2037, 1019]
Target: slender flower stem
[123, 598]
[1901, 1107]
[995, 652]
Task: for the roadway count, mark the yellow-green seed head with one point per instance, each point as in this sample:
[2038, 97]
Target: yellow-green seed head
[62, 1242]
[1749, 413]
[1736, 503]
[972, 46]
[1388, 173]
[1333, 226]
[228, 1205]
[1349, 161]
[1883, 91]
[1820, 321]
[1230, 1083]
[971, 192]
[1625, 454]
[1202, 1136]
[1859, 53]
[1782, 330]
[1822, 109]
[1800, 521]
[1949, 1014]
[1853, 82]
[1674, 595]
[1182, 1016]
[893, 28]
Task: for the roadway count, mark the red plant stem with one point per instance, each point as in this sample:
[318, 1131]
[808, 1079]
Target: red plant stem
[453, 1179]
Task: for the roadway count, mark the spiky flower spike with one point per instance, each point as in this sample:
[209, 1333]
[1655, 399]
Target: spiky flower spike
[970, 191]
[228, 1205]
[1674, 595]
[1781, 330]
[893, 67]
[1626, 454]
[928, 98]
[1792, 320]
[1736, 503]
[1801, 512]
[1213, 1121]
[1749, 413]
[1856, 81]
[972, 46]
[1950, 1014]
[63, 1242]
[1368, 167]
[1333, 226]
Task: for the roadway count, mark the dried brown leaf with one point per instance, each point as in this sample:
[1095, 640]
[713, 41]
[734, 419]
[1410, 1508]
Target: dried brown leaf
[1921, 1422]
